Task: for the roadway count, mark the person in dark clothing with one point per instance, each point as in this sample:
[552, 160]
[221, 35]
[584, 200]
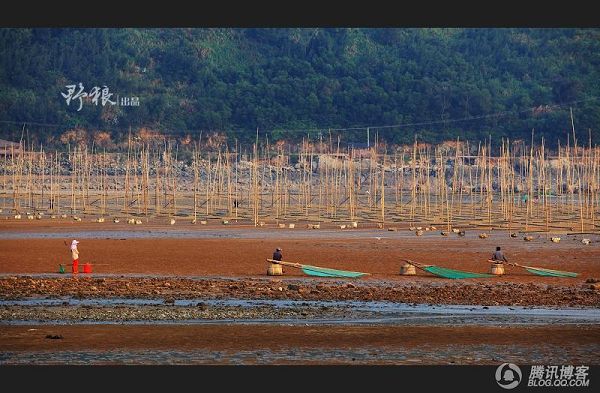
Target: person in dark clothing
[277, 256]
[498, 256]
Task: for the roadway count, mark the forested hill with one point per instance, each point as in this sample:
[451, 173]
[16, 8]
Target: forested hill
[437, 83]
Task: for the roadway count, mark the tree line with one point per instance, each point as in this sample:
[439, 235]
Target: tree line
[435, 83]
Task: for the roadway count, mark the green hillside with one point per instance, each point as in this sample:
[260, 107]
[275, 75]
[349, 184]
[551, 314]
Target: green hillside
[437, 83]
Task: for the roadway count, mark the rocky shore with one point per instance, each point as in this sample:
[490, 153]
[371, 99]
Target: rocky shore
[170, 289]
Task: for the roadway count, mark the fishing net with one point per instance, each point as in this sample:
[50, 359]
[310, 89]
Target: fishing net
[325, 272]
[451, 273]
[549, 272]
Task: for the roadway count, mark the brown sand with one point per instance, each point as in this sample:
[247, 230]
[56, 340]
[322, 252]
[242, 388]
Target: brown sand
[247, 257]
[243, 260]
[240, 337]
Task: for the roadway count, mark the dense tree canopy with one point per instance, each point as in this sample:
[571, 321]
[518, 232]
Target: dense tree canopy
[436, 83]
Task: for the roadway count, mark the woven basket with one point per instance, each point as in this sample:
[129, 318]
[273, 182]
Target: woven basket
[497, 269]
[408, 270]
[275, 270]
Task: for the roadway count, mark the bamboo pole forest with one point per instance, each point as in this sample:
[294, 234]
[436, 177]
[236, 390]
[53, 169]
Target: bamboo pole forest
[524, 187]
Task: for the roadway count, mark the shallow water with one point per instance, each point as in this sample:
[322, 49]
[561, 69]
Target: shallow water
[229, 233]
[246, 233]
[375, 306]
[213, 233]
[440, 354]
[372, 313]
[355, 312]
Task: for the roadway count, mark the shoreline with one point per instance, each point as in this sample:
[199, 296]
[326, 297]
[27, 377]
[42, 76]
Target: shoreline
[297, 345]
[431, 292]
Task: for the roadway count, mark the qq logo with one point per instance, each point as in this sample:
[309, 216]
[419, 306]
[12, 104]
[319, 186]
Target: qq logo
[508, 375]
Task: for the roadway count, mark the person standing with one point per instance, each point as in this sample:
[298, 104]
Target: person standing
[75, 256]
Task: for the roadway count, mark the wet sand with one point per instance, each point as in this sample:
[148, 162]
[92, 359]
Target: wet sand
[303, 344]
[378, 252]
[210, 262]
[187, 266]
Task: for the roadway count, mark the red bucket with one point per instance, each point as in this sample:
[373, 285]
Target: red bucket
[87, 267]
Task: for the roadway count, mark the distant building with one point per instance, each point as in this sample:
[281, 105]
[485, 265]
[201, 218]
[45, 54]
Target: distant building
[8, 148]
[332, 160]
[360, 150]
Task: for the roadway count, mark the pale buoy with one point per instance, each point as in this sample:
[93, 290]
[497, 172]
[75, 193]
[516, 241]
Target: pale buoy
[497, 269]
[275, 270]
[408, 270]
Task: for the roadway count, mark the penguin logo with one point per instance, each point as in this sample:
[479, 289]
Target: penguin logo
[508, 375]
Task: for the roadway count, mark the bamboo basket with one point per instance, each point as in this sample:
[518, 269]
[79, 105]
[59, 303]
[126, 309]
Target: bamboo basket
[408, 270]
[497, 269]
[275, 269]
